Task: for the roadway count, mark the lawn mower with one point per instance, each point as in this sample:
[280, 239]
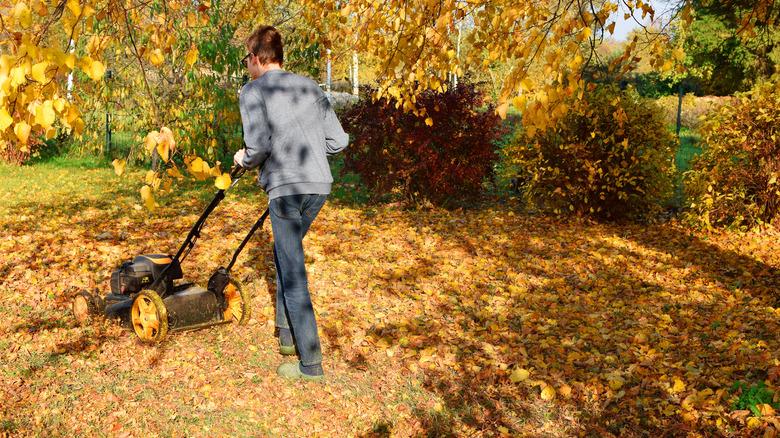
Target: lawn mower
[144, 296]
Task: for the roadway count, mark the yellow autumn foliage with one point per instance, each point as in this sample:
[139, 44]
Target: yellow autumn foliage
[610, 156]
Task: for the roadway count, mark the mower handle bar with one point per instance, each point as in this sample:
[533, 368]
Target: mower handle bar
[235, 174]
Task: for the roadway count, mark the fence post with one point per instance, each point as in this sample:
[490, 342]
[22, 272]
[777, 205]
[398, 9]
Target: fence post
[679, 109]
[355, 83]
[109, 75]
[328, 82]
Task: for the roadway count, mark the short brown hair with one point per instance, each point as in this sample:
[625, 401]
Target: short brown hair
[266, 44]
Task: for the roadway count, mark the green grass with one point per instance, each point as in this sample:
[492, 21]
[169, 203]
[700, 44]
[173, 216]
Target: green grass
[690, 147]
[347, 186]
[51, 182]
[122, 142]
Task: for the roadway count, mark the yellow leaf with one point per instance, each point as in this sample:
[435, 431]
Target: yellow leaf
[96, 70]
[94, 44]
[41, 9]
[548, 393]
[766, 410]
[151, 141]
[119, 166]
[611, 28]
[501, 110]
[151, 176]
[519, 375]
[429, 121]
[679, 54]
[163, 151]
[74, 7]
[192, 56]
[753, 423]
[166, 137]
[215, 172]
[39, 72]
[586, 33]
[45, 115]
[22, 14]
[199, 168]
[688, 402]
[70, 60]
[59, 104]
[615, 383]
[17, 76]
[78, 125]
[223, 182]
[174, 172]
[196, 165]
[679, 386]
[526, 84]
[156, 57]
[565, 390]
[5, 119]
[22, 131]
[146, 195]
[93, 68]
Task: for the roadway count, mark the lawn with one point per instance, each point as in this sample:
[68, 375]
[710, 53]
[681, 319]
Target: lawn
[487, 321]
[690, 147]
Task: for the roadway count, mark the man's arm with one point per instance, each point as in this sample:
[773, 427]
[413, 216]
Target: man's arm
[257, 135]
[335, 137]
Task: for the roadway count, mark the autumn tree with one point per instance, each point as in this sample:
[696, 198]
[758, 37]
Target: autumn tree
[181, 59]
[728, 56]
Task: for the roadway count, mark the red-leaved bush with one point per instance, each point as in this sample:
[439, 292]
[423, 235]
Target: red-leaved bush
[448, 160]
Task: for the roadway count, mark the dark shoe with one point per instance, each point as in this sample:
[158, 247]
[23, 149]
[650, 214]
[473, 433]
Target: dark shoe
[286, 343]
[293, 371]
[286, 350]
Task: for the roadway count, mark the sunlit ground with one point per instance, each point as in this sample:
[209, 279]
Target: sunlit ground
[435, 322]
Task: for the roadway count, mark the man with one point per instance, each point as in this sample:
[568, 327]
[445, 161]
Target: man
[289, 130]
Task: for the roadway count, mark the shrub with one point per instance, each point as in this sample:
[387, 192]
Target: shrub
[610, 157]
[396, 150]
[652, 84]
[736, 179]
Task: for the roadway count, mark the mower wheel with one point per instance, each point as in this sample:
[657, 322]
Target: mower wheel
[149, 316]
[84, 306]
[238, 309]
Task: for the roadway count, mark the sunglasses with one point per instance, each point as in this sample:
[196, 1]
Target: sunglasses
[245, 59]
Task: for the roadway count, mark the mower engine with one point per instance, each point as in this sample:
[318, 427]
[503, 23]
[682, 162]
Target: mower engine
[133, 276]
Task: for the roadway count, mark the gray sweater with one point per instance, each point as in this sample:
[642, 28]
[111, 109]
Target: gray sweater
[289, 130]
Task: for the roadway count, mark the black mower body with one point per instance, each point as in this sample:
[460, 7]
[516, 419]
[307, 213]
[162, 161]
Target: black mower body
[188, 305]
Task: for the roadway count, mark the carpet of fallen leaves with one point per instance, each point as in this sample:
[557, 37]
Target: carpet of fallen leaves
[479, 322]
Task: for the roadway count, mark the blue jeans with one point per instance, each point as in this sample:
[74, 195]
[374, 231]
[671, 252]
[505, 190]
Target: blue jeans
[291, 217]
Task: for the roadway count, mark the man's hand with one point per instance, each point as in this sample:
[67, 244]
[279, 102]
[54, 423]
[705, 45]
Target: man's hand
[238, 158]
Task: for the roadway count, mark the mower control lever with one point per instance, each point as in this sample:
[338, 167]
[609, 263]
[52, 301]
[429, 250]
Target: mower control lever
[235, 174]
[236, 171]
